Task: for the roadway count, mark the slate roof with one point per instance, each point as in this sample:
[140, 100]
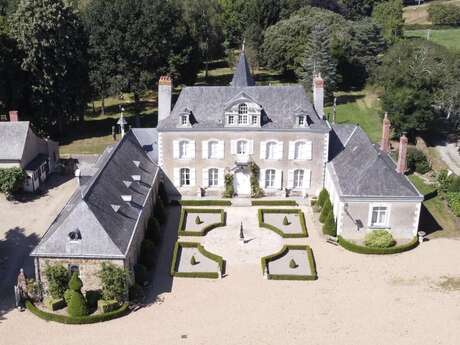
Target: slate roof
[361, 169]
[13, 137]
[105, 232]
[148, 140]
[242, 75]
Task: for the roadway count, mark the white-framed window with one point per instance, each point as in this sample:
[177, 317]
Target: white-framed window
[243, 109]
[300, 150]
[299, 175]
[301, 121]
[271, 150]
[254, 119]
[379, 216]
[231, 119]
[183, 149]
[240, 119]
[245, 119]
[242, 147]
[184, 177]
[213, 177]
[270, 178]
[184, 120]
[213, 149]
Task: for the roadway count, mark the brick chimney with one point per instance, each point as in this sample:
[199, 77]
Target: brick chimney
[402, 157]
[318, 95]
[14, 116]
[385, 143]
[164, 97]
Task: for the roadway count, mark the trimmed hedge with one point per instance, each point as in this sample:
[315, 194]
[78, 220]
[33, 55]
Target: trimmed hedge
[274, 203]
[122, 311]
[183, 216]
[211, 275]
[204, 202]
[54, 304]
[311, 261]
[280, 232]
[356, 248]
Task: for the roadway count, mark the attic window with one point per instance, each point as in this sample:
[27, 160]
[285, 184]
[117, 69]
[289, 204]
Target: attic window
[75, 235]
[128, 183]
[136, 177]
[301, 120]
[184, 120]
[127, 198]
[115, 208]
[137, 163]
[242, 109]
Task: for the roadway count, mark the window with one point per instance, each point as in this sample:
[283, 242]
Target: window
[183, 149]
[213, 177]
[213, 148]
[271, 150]
[243, 108]
[245, 119]
[240, 119]
[379, 216]
[184, 177]
[300, 150]
[254, 120]
[242, 147]
[231, 120]
[184, 120]
[298, 178]
[301, 120]
[270, 178]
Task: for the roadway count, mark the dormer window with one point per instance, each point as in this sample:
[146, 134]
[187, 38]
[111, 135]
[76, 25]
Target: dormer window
[254, 119]
[242, 109]
[301, 120]
[75, 235]
[184, 120]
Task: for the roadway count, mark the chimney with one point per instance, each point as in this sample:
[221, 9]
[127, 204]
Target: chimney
[14, 116]
[402, 164]
[164, 97]
[385, 143]
[318, 95]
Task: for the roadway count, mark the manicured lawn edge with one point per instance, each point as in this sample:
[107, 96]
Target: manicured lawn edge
[353, 247]
[122, 311]
[311, 261]
[205, 230]
[274, 203]
[204, 252]
[277, 230]
[203, 202]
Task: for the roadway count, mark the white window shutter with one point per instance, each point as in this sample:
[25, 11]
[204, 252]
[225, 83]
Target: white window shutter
[176, 149]
[192, 177]
[279, 150]
[221, 149]
[263, 149]
[205, 178]
[291, 150]
[307, 178]
[278, 178]
[262, 178]
[204, 149]
[251, 146]
[176, 177]
[308, 150]
[191, 147]
[290, 181]
[233, 147]
[221, 177]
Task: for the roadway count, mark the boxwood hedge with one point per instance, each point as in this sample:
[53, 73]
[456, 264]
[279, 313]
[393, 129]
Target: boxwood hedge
[280, 232]
[205, 230]
[274, 203]
[204, 202]
[356, 248]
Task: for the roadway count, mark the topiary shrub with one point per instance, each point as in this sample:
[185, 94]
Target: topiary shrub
[198, 220]
[147, 257]
[77, 304]
[330, 227]
[293, 264]
[379, 239]
[58, 280]
[323, 196]
[229, 189]
[114, 281]
[286, 221]
[327, 208]
[193, 261]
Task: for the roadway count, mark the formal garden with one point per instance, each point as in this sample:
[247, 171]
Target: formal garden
[288, 223]
[199, 221]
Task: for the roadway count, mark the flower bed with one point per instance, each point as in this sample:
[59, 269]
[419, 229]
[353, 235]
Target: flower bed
[303, 228]
[185, 212]
[356, 248]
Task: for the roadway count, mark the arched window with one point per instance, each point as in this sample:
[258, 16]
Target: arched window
[213, 177]
[298, 178]
[243, 109]
[271, 150]
[213, 148]
[270, 178]
[300, 150]
[242, 147]
[183, 149]
[185, 177]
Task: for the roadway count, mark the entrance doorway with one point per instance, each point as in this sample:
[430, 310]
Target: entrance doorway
[242, 183]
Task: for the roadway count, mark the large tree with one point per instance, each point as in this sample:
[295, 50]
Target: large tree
[51, 37]
[389, 15]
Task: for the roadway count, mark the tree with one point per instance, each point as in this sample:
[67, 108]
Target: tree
[114, 281]
[389, 15]
[325, 211]
[11, 180]
[356, 9]
[53, 42]
[234, 20]
[57, 277]
[76, 306]
[317, 59]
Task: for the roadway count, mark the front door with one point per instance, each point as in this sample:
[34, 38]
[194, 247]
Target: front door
[242, 183]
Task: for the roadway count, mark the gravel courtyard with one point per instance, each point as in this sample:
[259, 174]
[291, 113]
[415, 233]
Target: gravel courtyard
[409, 298]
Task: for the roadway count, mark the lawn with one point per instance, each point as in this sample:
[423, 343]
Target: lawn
[449, 38]
[444, 224]
[419, 14]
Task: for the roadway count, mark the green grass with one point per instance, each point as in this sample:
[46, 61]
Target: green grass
[449, 38]
[363, 108]
[419, 14]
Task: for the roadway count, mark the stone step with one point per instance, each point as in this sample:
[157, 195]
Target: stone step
[241, 202]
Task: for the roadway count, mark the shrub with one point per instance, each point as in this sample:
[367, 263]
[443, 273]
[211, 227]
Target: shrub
[454, 184]
[114, 281]
[256, 191]
[453, 200]
[229, 190]
[379, 239]
[323, 196]
[67, 295]
[293, 264]
[356, 248]
[204, 202]
[448, 183]
[417, 161]
[274, 203]
[444, 14]
[11, 180]
[285, 221]
[77, 303]
[261, 218]
[54, 304]
[153, 231]
[330, 227]
[160, 211]
[147, 250]
[58, 280]
[327, 208]
[198, 220]
[107, 306]
[193, 261]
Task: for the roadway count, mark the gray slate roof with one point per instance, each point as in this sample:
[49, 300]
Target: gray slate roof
[105, 233]
[13, 137]
[361, 169]
[148, 140]
[242, 76]
[280, 104]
